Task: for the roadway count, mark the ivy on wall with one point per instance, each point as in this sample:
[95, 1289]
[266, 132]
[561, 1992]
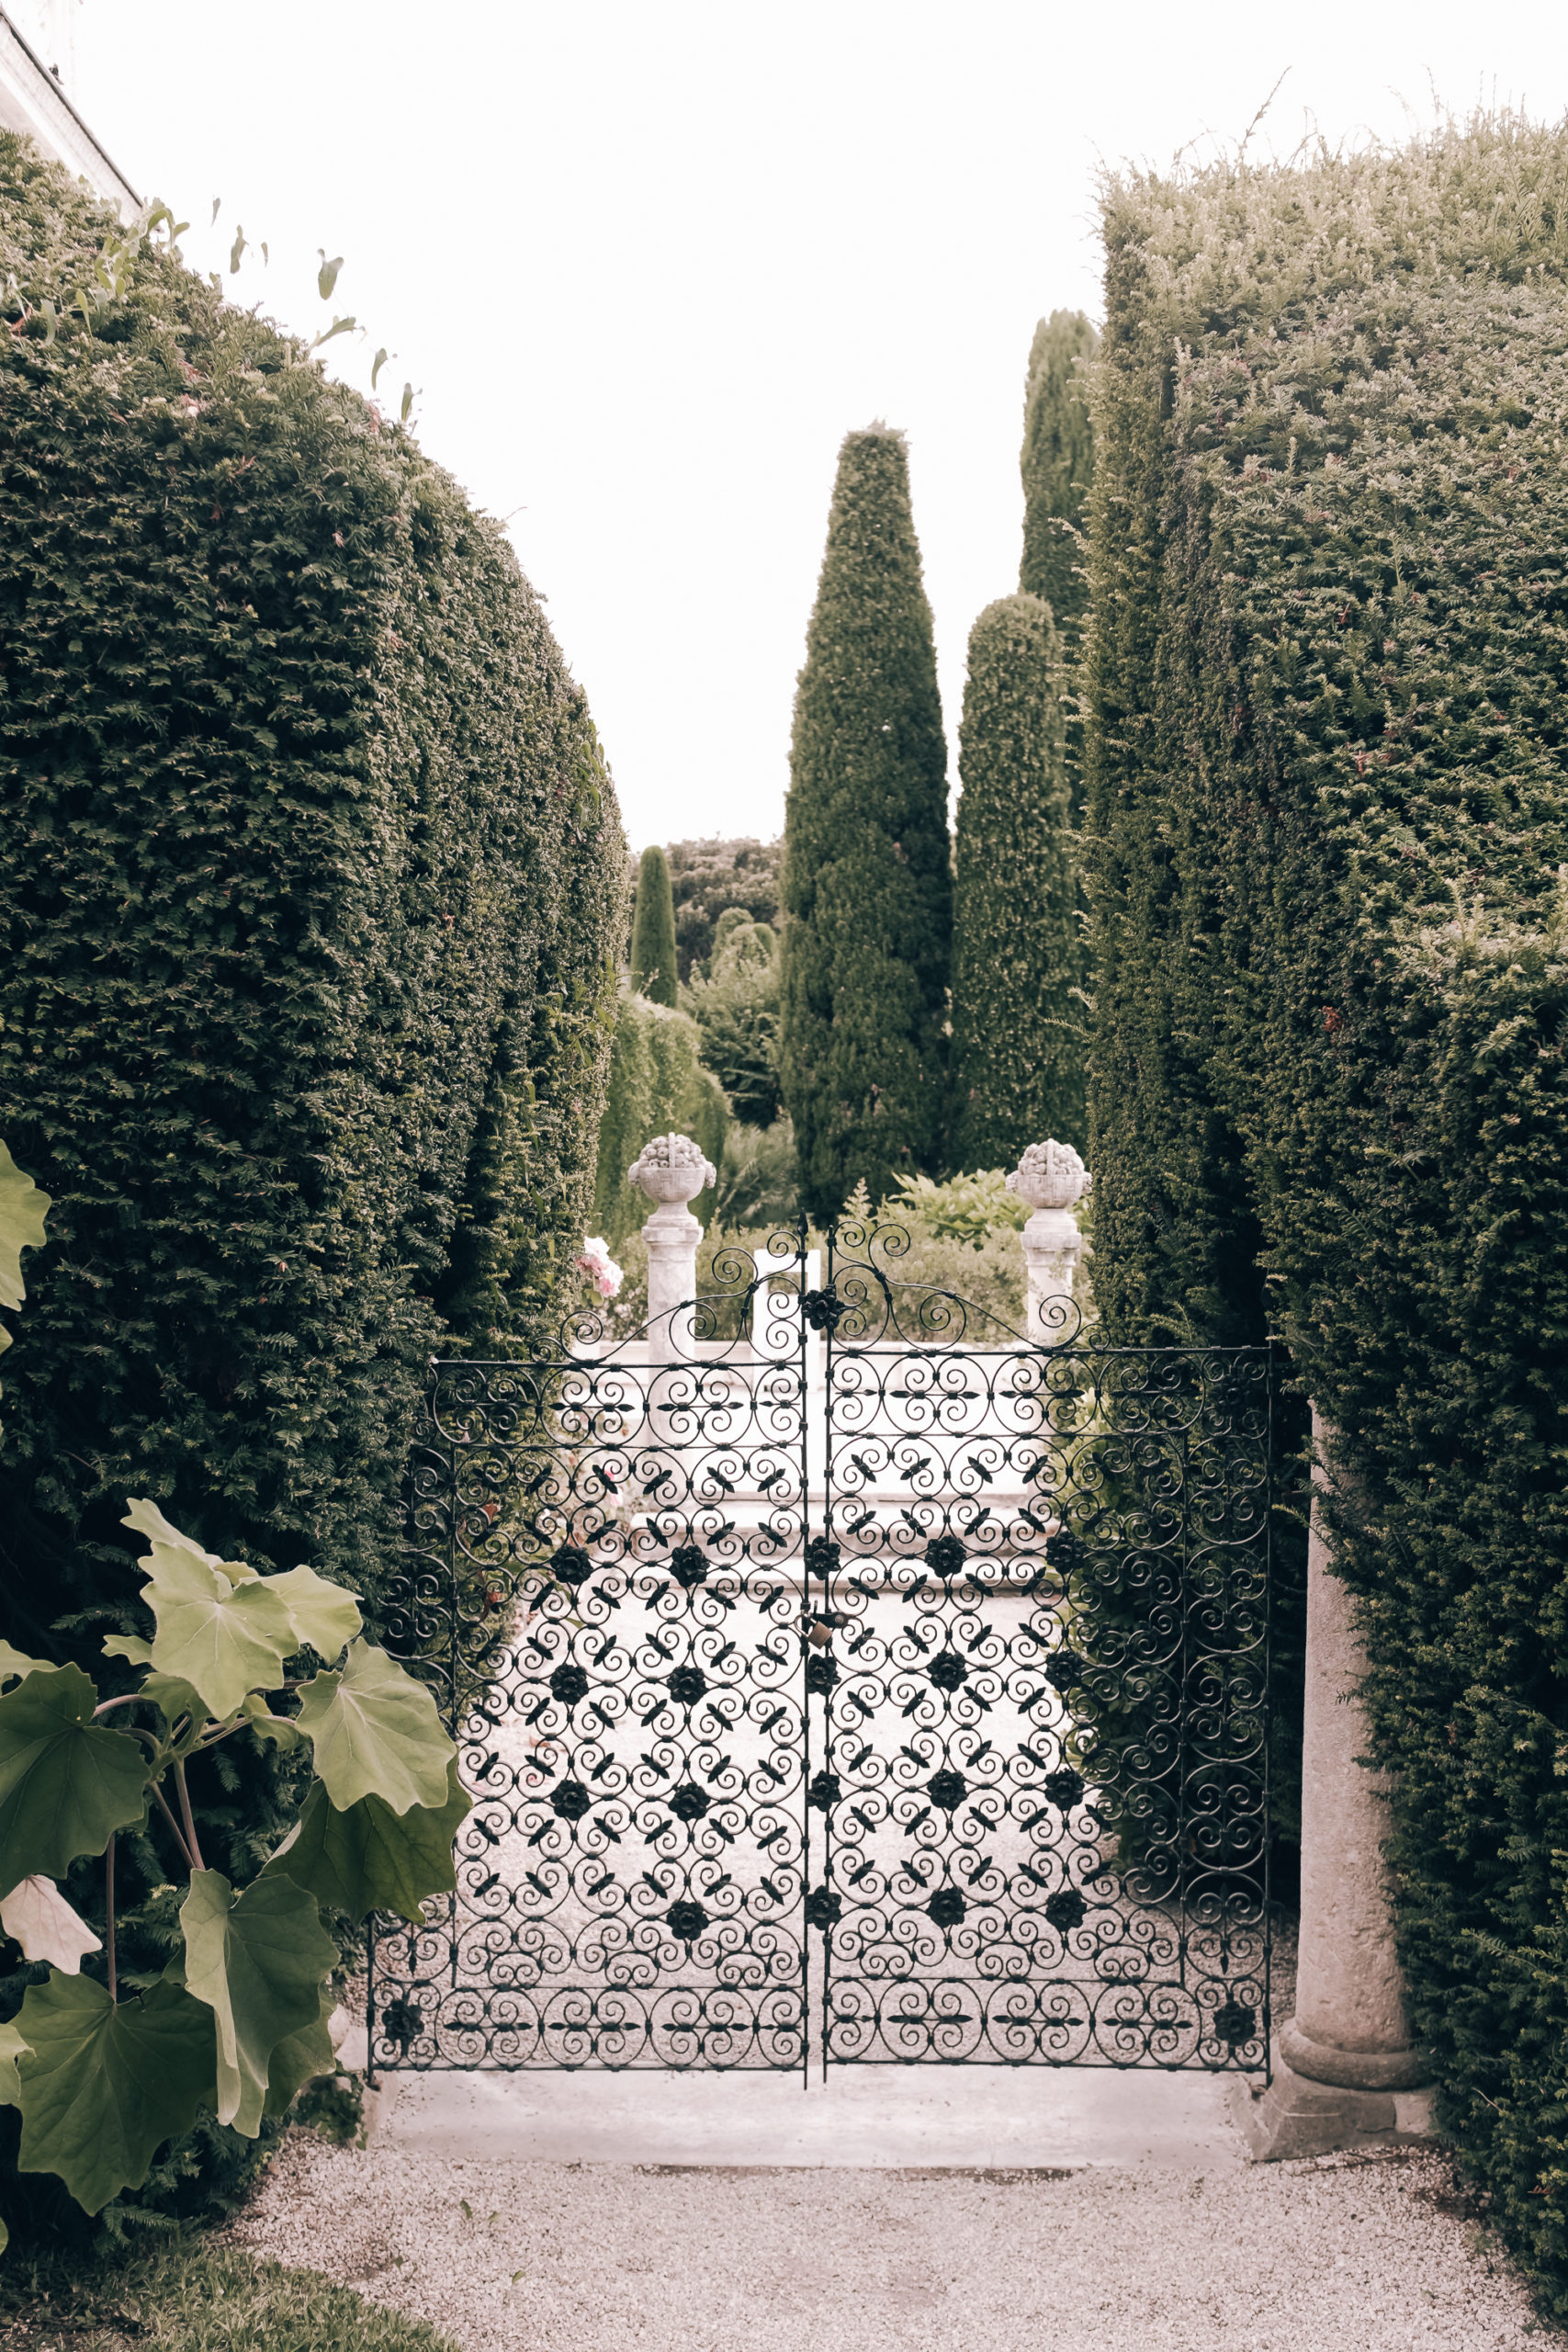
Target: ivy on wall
[1327, 716]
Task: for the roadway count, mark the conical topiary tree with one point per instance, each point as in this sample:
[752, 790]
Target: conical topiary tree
[868, 885]
[1018, 1041]
[653, 929]
[1057, 465]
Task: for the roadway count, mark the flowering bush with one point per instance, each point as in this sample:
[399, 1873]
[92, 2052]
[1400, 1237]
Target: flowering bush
[969, 1209]
[595, 1260]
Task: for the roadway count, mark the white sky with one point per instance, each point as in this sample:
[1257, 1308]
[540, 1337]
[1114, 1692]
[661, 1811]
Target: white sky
[648, 262]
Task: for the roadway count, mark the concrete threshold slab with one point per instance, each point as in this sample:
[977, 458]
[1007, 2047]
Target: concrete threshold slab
[885, 2118]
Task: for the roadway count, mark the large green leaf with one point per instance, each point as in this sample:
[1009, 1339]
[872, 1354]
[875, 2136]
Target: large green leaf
[104, 2086]
[36, 1915]
[257, 1961]
[175, 1698]
[146, 1519]
[281, 1731]
[225, 1639]
[325, 1615]
[14, 1662]
[65, 1783]
[130, 1646]
[11, 2048]
[300, 2058]
[371, 1858]
[376, 1732]
[21, 1226]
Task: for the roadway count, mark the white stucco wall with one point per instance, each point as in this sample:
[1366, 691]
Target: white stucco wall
[36, 36]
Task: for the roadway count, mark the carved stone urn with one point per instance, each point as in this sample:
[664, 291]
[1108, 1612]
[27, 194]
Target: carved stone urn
[1049, 1176]
[672, 1169]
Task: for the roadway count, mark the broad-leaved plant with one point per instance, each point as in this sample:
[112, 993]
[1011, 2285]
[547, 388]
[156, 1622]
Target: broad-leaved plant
[237, 2021]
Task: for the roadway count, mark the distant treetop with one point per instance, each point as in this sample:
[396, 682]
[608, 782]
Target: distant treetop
[707, 877]
[1057, 464]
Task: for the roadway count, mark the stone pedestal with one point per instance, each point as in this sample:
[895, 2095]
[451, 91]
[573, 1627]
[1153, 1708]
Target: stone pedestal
[1050, 1178]
[1345, 2065]
[1295, 2117]
[672, 1170]
[672, 1234]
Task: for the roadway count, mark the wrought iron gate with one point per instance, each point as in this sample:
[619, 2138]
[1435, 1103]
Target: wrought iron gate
[855, 1680]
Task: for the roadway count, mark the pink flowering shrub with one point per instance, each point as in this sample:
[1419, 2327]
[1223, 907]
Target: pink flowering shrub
[595, 1260]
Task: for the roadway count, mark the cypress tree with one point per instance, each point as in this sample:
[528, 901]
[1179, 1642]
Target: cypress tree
[1018, 1044]
[867, 883]
[653, 929]
[1057, 465]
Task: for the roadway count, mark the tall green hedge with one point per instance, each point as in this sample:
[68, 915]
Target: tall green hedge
[311, 884]
[309, 878]
[653, 928]
[1018, 1028]
[1328, 713]
[1057, 465]
[867, 881]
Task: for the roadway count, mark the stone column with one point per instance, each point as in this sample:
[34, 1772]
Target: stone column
[672, 1170]
[1344, 2063]
[1049, 1179]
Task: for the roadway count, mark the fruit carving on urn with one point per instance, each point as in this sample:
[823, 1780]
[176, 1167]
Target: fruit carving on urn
[1049, 1176]
[672, 1169]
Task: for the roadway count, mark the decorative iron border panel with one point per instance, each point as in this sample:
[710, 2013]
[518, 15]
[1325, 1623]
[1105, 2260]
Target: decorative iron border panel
[870, 1684]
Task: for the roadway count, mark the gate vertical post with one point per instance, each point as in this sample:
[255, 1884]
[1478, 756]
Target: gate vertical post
[1344, 2063]
[1049, 1178]
[672, 1170]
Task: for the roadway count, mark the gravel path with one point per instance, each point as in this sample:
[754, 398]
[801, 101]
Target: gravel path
[1343, 2255]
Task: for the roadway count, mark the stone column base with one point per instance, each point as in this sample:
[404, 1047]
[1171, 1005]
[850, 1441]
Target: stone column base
[1297, 2118]
[1351, 2070]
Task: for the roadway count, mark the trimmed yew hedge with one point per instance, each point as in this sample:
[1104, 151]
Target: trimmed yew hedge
[310, 878]
[653, 929]
[1056, 462]
[1018, 1018]
[1329, 712]
[311, 881]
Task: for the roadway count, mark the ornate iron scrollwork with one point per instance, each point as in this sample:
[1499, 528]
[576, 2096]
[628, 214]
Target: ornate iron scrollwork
[864, 1681]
